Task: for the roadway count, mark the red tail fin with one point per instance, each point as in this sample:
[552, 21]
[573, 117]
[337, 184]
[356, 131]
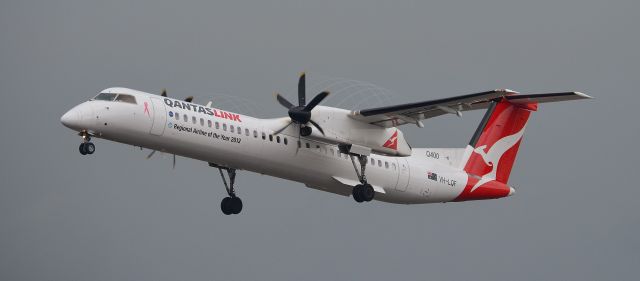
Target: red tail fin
[495, 144]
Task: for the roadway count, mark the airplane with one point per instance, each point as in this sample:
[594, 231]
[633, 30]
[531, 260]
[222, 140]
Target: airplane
[357, 153]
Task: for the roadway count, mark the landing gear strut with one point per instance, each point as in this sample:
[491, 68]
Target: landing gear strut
[362, 192]
[231, 204]
[86, 147]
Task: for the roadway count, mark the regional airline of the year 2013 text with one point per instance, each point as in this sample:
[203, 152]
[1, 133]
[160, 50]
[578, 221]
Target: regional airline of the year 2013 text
[359, 153]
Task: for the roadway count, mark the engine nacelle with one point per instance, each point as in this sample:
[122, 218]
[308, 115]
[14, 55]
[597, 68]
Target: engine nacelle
[340, 129]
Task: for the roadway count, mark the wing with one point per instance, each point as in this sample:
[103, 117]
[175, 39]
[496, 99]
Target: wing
[395, 115]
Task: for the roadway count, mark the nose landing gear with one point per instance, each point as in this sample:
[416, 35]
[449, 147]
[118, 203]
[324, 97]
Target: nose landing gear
[86, 147]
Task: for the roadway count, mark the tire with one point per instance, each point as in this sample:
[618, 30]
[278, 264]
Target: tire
[225, 206]
[82, 150]
[367, 192]
[236, 205]
[89, 148]
[357, 193]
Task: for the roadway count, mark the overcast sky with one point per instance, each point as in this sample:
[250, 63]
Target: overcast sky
[117, 216]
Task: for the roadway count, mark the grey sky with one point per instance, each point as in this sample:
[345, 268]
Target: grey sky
[117, 216]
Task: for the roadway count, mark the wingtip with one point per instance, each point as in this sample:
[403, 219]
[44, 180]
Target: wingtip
[583, 95]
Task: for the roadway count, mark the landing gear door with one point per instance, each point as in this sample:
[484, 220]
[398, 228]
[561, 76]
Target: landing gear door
[159, 117]
[403, 174]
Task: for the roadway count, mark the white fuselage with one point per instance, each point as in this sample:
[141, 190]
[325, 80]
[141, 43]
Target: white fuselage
[245, 143]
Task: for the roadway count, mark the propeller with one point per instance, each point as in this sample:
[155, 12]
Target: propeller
[301, 114]
[187, 99]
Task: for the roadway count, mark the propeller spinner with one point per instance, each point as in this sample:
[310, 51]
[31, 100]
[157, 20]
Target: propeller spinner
[301, 114]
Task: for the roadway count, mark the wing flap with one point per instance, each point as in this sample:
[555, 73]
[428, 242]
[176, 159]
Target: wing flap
[352, 183]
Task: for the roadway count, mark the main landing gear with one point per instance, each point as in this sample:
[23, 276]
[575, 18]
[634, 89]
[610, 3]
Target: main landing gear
[231, 204]
[362, 192]
[86, 147]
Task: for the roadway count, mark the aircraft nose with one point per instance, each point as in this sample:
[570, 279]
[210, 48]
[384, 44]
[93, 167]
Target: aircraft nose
[71, 119]
[78, 118]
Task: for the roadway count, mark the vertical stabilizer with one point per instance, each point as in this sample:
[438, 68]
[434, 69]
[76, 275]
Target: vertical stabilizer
[493, 148]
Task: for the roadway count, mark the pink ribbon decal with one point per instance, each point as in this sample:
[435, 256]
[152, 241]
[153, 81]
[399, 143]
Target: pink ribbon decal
[146, 109]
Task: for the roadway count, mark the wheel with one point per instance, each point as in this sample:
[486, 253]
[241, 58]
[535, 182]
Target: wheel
[89, 148]
[305, 131]
[367, 192]
[236, 205]
[357, 193]
[82, 150]
[225, 206]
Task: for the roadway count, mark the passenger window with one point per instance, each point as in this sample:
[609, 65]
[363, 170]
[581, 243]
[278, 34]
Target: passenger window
[126, 98]
[285, 141]
[393, 165]
[231, 128]
[193, 119]
[307, 145]
[185, 117]
[270, 137]
[278, 139]
[386, 165]
[379, 163]
[209, 123]
[255, 134]
[201, 122]
[224, 127]
[373, 162]
[177, 116]
[239, 131]
[217, 125]
[246, 132]
[105, 97]
[264, 136]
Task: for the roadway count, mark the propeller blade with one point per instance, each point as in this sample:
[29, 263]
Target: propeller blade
[302, 96]
[174, 162]
[317, 126]
[284, 102]
[188, 99]
[282, 129]
[164, 92]
[298, 143]
[316, 100]
[151, 154]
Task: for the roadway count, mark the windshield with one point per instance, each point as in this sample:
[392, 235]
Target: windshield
[105, 96]
[126, 98]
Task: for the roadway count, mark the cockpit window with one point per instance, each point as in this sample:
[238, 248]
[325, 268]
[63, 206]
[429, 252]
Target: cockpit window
[105, 96]
[126, 98]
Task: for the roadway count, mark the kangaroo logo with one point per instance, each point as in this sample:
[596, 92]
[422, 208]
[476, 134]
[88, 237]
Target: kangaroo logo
[392, 142]
[492, 157]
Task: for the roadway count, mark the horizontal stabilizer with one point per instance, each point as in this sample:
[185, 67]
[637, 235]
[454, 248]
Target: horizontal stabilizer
[550, 97]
